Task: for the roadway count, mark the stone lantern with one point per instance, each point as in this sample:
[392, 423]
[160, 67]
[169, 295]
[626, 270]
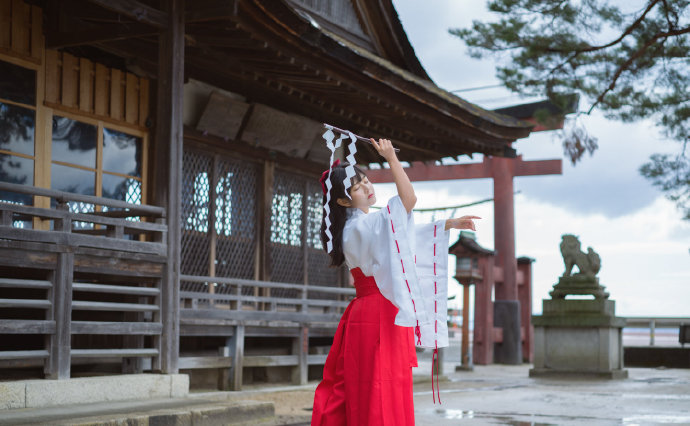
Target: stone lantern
[472, 264]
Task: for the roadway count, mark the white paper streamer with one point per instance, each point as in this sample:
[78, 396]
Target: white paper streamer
[350, 170]
[328, 136]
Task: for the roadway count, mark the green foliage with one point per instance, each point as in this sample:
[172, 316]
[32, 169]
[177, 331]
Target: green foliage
[630, 65]
[672, 175]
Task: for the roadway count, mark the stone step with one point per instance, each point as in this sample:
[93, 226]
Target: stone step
[179, 412]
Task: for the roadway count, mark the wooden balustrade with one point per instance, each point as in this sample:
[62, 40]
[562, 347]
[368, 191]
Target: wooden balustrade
[226, 311]
[101, 275]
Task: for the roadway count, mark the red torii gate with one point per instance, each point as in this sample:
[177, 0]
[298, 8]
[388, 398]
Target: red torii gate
[507, 312]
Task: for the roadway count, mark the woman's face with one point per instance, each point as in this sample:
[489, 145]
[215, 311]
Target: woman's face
[362, 194]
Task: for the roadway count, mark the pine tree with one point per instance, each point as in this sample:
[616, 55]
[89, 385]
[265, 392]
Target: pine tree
[630, 65]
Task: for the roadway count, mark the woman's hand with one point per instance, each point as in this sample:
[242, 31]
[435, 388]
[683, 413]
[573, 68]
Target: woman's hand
[464, 222]
[385, 149]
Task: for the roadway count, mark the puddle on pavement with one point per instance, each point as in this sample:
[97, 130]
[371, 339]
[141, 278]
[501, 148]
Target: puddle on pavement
[518, 419]
[645, 419]
[493, 418]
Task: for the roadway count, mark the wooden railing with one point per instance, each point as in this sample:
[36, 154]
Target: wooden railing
[243, 308]
[101, 275]
[655, 323]
[115, 222]
[227, 298]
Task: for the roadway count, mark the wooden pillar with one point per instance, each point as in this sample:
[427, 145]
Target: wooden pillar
[225, 374]
[263, 256]
[300, 347]
[504, 227]
[483, 344]
[465, 349]
[58, 365]
[168, 170]
[525, 297]
[506, 305]
[237, 353]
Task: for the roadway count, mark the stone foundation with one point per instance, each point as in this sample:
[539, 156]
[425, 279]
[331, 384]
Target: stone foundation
[578, 338]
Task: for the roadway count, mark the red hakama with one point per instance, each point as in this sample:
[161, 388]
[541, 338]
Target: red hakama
[367, 379]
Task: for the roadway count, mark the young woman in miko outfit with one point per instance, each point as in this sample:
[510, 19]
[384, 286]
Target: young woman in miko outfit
[400, 277]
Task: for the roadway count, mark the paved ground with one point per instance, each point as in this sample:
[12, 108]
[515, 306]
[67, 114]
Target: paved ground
[500, 395]
[506, 395]
[488, 395]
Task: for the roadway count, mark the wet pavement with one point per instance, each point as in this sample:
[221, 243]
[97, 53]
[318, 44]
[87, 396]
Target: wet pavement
[500, 395]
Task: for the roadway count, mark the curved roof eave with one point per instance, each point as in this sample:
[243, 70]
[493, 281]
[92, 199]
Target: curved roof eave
[351, 56]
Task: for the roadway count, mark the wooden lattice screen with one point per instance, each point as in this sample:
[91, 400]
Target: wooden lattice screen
[296, 254]
[219, 226]
[219, 219]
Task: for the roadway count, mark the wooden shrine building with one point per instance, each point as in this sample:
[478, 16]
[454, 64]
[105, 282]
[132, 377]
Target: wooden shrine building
[159, 164]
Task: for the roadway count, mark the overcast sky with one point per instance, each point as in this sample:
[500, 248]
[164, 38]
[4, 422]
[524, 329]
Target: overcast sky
[643, 243]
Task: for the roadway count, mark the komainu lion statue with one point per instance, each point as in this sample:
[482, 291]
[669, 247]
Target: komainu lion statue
[589, 263]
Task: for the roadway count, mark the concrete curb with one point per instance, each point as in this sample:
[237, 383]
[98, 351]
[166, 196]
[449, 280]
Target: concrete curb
[183, 412]
[89, 390]
[247, 412]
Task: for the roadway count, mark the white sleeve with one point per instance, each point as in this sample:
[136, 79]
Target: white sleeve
[396, 274]
[432, 271]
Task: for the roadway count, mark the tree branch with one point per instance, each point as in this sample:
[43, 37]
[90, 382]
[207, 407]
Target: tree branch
[632, 58]
[625, 33]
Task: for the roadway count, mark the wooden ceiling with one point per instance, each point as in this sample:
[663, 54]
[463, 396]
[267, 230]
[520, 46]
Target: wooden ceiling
[271, 53]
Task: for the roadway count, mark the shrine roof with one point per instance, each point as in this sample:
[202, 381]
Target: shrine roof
[273, 53]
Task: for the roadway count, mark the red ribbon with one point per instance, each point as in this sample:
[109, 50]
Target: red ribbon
[324, 175]
[434, 359]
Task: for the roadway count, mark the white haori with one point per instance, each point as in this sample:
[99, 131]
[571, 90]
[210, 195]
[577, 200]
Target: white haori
[400, 256]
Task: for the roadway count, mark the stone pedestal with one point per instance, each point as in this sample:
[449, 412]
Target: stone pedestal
[578, 337]
[507, 317]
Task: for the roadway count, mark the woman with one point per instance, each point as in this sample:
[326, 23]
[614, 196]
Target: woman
[399, 273]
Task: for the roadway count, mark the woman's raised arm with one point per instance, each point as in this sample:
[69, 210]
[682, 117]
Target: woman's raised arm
[402, 182]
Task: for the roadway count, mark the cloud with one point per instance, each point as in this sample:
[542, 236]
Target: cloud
[608, 182]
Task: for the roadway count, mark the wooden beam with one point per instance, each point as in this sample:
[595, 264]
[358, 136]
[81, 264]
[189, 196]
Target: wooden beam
[421, 172]
[168, 168]
[194, 362]
[58, 40]
[538, 168]
[27, 327]
[137, 10]
[100, 353]
[123, 328]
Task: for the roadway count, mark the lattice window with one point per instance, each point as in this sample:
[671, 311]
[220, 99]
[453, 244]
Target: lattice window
[219, 204]
[235, 222]
[286, 227]
[319, 273]
[195, 211]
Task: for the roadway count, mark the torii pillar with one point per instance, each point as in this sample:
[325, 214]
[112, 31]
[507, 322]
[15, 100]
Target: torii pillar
[507, 310]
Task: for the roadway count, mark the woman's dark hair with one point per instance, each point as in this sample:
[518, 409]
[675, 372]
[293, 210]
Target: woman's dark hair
[338, 214]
